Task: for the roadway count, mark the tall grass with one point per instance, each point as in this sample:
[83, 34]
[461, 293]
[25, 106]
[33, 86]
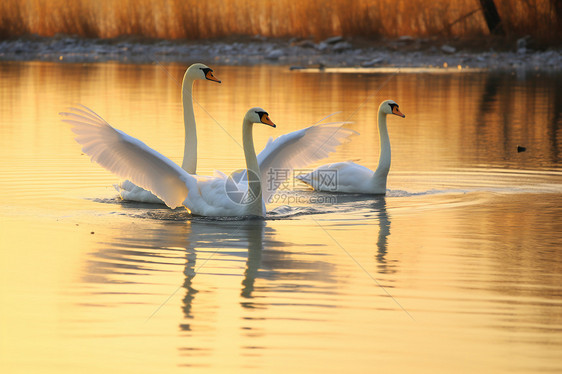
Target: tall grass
[191, 19]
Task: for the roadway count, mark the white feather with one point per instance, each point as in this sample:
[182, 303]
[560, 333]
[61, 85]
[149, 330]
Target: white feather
[128, 157]
[298, 149]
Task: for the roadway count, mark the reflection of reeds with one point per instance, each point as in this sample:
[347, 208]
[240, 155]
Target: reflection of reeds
[192, 19]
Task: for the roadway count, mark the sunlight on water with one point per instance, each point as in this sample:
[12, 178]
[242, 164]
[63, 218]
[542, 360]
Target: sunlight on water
[457, 269]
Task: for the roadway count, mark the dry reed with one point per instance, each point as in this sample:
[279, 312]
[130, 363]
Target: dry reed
[189, 19]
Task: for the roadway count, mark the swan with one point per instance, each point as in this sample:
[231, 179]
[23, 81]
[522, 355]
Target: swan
[349, 177]
[241, 194]
[131, 192]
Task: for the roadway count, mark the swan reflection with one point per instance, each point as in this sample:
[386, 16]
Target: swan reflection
[374, 208]
[379, 206]
[210, 237]
[134, 255]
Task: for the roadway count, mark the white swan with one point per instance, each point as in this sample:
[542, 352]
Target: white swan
[238, 195]
[350, 177]
[131, 192]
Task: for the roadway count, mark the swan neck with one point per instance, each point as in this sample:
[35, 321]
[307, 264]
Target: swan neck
[384, 155]
[255, 207]
[190, 147]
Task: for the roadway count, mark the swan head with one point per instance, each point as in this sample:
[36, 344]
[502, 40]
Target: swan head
[390, 107]
[201, 71]
[259, 115]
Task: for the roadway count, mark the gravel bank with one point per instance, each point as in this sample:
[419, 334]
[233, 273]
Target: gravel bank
[332, 52]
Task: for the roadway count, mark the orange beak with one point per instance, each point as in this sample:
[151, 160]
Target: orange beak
[211, 77]
[265, 119]
[397, 111]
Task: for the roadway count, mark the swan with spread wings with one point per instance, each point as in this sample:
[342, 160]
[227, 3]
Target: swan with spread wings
[219, 195]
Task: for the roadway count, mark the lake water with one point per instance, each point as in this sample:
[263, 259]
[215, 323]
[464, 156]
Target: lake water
[458, 269]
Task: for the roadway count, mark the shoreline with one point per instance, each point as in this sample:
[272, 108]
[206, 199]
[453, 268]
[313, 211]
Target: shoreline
[334, 52]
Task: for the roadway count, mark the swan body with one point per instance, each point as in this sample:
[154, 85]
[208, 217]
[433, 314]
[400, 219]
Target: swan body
[130, 158]
[349, 177]
[131, 192]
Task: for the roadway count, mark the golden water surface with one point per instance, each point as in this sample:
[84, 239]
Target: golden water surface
[457, 269]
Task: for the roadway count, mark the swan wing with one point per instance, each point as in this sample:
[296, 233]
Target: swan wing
[296, 150]
[129, 158]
